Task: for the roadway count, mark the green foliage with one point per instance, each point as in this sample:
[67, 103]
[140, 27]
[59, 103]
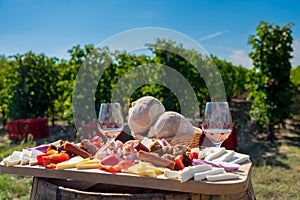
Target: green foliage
[35, 90]
[11, 190]
[8, 78]
[295, 77]
[234, 77]
[37, 86]
[269, 81]
[78, 56]
[14, 186]
[175, 56]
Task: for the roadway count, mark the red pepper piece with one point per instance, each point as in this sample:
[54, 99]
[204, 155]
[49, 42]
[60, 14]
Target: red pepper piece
[109, 168]
[178, 162]
[40, 158]
[55, 158]
[193, 155]
[51, 166]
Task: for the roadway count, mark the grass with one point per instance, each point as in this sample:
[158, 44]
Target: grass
[278, 181]
[14, 186]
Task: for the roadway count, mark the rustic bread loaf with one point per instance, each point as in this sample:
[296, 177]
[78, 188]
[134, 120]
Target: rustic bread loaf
[143, 113]
[171, 124]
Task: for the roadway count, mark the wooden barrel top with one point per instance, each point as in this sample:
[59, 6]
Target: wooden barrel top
[95, 176]
[44, 189]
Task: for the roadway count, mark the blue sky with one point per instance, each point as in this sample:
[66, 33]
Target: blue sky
[221, 27]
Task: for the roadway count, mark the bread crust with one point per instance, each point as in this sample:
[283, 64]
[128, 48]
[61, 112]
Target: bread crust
[143, 113]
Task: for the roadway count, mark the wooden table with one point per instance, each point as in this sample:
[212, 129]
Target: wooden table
[79, 181]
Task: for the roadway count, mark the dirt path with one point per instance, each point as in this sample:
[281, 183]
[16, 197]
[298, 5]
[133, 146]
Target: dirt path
[253, 141]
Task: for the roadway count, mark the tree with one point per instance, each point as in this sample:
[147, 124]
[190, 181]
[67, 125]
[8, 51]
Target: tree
[295, 77]
[174, 55]
[8, 77]
[234, 77]
[270, 85]
[35, 91]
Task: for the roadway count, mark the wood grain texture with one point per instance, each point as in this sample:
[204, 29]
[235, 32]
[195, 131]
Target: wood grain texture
[43, 190]
[95, 176]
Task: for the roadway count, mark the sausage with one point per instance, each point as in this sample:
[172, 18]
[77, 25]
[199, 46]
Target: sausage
[91, 148]
[155, 159]
[137, 145]
[76, 150]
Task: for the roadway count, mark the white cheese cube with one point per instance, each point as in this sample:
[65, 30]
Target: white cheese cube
[188, 172]
[222, 177]
[225, 157]
[25, 157]
[172, 174]
[215, 153]
[14, 159]
[239, 158]
[202, 175]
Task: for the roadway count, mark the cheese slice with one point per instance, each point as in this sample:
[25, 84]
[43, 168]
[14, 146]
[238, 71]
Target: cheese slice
[202, 175]
[222, 177]
[13, 159]
[87, 164]
[187, 173]
[172, 174]
[200, 168]
[5, 160]
[215, 153]
[148, 166]
[145, 169]
[25, 157]
[239, 158]
[33, 154]
[70, 163]
[225, 157]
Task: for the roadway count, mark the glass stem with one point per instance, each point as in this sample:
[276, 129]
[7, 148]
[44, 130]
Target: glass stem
[218, 145]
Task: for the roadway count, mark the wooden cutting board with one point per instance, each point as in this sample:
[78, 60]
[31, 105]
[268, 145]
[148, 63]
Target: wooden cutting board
[124, 179]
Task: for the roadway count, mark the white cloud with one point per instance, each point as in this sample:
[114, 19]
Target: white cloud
[296, 53]
[212, 35]
[240, 57]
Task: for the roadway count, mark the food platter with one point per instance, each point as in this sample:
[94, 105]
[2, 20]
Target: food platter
[95, 176]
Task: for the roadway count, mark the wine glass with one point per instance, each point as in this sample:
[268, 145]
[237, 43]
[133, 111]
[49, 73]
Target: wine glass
[110, 120]
[217, 124]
